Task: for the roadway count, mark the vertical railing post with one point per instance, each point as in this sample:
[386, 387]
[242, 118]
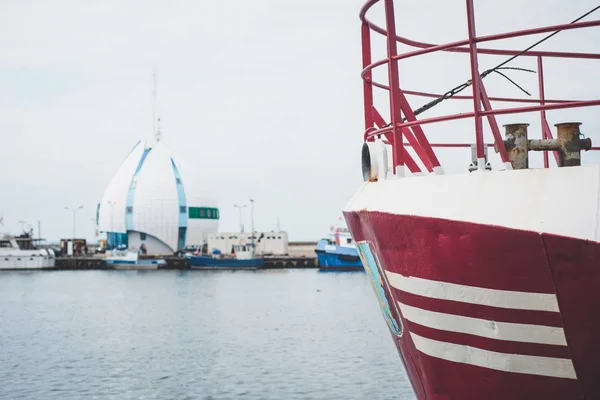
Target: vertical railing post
[367, 81]
[499, 143]
[476, 83]
[545, 127]
[546, 133]
[542, 102]
[395, 116]
[408, 160]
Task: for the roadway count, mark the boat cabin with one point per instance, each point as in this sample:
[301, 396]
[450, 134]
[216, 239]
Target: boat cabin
[243, 251]
[21, 242]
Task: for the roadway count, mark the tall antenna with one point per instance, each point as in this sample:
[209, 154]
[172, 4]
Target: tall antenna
[252, 219]
[157, 135]
[155, 129]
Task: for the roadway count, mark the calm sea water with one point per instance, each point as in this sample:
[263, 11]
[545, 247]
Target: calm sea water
[195, 335]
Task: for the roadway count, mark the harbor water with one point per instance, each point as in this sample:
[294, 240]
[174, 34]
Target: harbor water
[280, 334]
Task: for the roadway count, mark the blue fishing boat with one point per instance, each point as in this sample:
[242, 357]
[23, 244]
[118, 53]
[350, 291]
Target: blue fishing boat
[338, 252]
[243, 257]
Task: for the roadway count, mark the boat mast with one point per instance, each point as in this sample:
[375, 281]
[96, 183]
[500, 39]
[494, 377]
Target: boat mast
[252, 220]
[240, 207]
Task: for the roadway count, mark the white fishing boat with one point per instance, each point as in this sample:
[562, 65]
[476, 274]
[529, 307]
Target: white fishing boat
[24, 252]
[129, 259]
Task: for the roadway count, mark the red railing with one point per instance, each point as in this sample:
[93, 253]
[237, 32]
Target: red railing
[405, 129]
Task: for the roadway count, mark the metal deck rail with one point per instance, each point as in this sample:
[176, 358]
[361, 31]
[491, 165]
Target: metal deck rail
[404, 124]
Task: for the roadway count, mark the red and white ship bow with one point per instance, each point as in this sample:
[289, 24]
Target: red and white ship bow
[490, 281]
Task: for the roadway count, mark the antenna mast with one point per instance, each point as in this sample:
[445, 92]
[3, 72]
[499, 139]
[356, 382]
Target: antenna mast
[252, 220]
[155, 129]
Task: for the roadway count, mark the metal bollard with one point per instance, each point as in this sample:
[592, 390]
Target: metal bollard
[567, 143]
[570, 145]
[516, 144]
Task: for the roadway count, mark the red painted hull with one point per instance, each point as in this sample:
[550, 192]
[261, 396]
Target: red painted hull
[455, 342]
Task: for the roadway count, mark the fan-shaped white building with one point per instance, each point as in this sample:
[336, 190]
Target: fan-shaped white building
[152, 200]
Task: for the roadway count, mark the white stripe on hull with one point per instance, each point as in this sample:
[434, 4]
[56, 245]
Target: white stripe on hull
[474, 295]
[507, 331]
[519, 363]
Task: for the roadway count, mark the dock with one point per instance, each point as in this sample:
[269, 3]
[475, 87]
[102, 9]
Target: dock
[180, 263]
[300, 255]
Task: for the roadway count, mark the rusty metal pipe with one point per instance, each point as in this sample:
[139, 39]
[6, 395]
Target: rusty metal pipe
[585, 144]
[543, 144]
[552, 144]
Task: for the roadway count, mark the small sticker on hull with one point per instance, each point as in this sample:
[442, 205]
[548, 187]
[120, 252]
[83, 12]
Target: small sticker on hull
[373, 269]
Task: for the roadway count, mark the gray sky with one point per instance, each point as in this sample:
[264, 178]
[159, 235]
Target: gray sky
[263, 97]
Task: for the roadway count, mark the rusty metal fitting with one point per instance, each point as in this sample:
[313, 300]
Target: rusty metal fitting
[568, 143]
[569, 151]
[516, 144]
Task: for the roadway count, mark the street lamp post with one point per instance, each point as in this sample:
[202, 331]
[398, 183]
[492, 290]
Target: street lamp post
[241, 221]
[73, 209]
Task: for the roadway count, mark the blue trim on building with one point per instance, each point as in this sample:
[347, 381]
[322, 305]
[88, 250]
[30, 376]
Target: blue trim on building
[183, 212]
[133, 148]
[131, 193]
[115, 239]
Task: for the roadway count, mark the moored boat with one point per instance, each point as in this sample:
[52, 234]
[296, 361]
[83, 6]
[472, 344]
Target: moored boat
[338, 252]
[23, 252]
[488, 280]
[243, 257]
[127, 259]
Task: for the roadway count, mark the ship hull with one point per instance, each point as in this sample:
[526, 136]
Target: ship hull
[27, 259]
[333, 262]
[204, 262]
[480, 310]
[333, 257]
[135, 264]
